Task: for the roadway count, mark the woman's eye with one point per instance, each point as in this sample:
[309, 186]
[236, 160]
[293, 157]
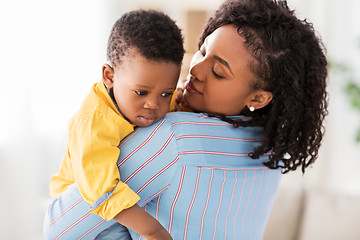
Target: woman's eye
[140, 93]
[217, 75]
[166, 94]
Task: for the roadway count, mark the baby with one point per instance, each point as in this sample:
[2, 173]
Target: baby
[145, 50]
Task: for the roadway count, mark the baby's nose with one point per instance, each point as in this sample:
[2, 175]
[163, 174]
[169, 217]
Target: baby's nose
[152, 103]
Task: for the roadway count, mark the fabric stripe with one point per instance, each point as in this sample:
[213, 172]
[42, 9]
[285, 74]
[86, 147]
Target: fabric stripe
[91, 229]
[247, 205]
[216, 118]
[231, 200]
[218, 210]
[235, 169]
[219, 138]
[176, 198]
[207, 203]
[157, 175]
[157, 207]
[142, 144]
[201, 123]
[152, 158]
[153, 196]
[237, 210]
[71, 207]
[216, 153]
[255, 204]
[192, 202]
[128, 138]
[269, 179]
[72, 225]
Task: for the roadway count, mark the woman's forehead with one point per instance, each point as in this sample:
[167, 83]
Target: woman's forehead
[227, 43]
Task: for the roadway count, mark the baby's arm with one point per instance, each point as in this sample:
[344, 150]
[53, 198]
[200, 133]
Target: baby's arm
[138, 220]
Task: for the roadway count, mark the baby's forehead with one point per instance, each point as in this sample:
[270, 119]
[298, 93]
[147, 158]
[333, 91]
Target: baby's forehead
[134, 68]
[133, 54]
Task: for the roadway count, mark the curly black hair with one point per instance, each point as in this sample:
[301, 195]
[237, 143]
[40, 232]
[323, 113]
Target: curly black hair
[291, 64]
[154, 34]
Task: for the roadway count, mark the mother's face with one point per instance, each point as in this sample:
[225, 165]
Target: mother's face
[220, 80]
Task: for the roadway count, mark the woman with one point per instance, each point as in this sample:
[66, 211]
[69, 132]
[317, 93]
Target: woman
[259, 78]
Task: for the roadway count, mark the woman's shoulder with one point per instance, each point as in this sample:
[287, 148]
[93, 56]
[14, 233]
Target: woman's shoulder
[202, 122]
[183, 117]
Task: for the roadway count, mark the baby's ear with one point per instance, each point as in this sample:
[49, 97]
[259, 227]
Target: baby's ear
[261, 99]
[108, 76]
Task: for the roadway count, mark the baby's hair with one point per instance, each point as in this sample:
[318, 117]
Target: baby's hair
[289, 62]
[153, 34]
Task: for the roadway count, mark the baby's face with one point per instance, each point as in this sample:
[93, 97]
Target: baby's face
[143, 88]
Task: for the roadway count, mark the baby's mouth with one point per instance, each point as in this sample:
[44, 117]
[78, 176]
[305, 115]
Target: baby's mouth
[147, 120]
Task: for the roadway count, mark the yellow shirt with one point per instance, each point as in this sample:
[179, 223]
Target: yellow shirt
[92, 152]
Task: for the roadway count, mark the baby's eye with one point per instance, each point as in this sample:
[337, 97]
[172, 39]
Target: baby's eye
[169, 94]
[141, 93]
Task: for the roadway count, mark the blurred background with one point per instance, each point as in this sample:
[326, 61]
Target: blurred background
[51, 52]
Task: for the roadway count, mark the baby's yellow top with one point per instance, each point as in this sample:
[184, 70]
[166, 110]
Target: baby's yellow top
[92, 152]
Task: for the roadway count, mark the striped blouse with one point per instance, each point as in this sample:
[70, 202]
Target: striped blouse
[194, 175]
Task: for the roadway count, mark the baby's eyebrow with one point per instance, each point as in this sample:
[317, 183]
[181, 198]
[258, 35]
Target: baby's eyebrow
[169, 89]
[146, 87]
[141, 86]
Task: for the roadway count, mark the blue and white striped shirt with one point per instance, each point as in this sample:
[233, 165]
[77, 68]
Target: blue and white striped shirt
[194, 175]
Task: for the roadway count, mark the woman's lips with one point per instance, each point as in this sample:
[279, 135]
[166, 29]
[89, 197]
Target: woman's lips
[191, 88]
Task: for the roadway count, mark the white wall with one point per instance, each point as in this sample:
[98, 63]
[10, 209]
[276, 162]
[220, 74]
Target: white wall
[50, 54]
[52, 51]
[337, 169]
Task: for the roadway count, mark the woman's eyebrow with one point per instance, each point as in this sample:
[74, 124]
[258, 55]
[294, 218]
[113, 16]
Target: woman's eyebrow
[223, 62]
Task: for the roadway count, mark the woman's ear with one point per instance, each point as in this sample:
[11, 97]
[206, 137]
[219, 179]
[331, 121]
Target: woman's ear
[108, 76]
[260, 99]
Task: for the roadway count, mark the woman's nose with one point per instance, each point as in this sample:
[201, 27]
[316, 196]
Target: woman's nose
[197, 70]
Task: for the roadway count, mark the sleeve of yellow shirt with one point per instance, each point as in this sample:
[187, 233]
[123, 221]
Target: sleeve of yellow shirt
[60, 182]
[93, 147]
[172, 107]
